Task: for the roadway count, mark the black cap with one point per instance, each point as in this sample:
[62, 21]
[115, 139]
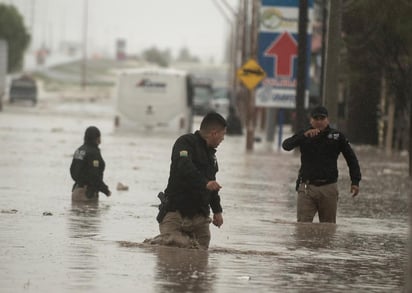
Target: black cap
[319, 111]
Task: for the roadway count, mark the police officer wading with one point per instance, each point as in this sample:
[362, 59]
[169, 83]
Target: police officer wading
[192, 188]
[320, 147]
[87, 168]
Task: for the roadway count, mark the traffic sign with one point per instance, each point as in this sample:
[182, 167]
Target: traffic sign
[251, 74]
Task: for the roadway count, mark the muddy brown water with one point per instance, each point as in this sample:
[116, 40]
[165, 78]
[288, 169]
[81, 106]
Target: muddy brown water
[48, 244]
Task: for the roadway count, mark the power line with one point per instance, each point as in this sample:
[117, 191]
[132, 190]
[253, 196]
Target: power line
[222, 11]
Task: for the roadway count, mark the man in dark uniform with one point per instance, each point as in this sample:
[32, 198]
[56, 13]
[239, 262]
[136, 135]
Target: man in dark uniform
[87, 168]
[320, 146]
[192, 188]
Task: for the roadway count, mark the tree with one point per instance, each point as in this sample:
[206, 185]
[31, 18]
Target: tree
[378, 45]
[158, 57]
[185, 56]
[13, 31]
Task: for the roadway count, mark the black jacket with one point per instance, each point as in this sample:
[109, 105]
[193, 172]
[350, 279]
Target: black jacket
[319, 155]
[87, 168]
[193, 165]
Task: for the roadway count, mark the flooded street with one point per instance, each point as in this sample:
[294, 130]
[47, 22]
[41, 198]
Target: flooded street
[49, 245]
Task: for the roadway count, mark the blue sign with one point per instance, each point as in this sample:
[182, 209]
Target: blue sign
[278, 51]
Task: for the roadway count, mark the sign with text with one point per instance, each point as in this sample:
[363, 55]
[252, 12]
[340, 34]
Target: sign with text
[278, 52]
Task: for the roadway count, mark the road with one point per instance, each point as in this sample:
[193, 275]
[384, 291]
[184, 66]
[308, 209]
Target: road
[48, 244]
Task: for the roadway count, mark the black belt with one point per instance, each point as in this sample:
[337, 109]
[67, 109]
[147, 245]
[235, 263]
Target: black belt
[318, 182]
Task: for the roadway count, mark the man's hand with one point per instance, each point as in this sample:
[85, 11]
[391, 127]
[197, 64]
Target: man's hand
[311, 132]
[109, 193]
[354, 189]
[213, 186]
[217, 220]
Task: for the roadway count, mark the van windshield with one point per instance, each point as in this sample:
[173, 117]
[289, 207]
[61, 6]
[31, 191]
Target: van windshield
[202, 94]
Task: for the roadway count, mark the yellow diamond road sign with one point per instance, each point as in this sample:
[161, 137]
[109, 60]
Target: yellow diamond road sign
[251, 74]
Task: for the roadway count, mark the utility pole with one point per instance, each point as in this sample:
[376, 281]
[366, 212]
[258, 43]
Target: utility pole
[302, 61]
[84, 63]
[33, 10]
[330, 91]
[238, 59]
[250, 123]
[245, 28]
[232, 48]
[324, 25]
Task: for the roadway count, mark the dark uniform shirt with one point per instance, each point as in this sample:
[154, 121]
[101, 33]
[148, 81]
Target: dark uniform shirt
[193, 165]
[319, 155]
[87, 169]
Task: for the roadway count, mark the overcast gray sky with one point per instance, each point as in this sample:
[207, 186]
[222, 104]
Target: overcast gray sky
[195, 24]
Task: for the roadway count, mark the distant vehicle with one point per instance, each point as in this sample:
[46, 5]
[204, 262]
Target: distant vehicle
[3, 70]
[202, 96]
[154, 99]
[221, 100]
[23, 88]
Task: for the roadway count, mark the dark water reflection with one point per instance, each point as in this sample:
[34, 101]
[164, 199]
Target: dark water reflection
[340, 260]
[183, 270]
[83, 261]
[314, 236]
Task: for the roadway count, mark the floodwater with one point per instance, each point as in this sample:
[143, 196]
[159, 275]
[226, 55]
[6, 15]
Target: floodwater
[48, 244]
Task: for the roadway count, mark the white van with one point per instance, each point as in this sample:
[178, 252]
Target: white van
[154, 99]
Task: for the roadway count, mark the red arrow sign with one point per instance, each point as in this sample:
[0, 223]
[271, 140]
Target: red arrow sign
[283, 49]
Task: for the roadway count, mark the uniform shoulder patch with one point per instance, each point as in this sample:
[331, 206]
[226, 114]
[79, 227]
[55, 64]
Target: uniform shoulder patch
[334, 136]
[183, 153]
[96, 163]
[79, 154]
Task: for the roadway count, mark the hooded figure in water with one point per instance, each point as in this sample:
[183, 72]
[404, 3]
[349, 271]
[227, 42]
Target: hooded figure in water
[87, 168]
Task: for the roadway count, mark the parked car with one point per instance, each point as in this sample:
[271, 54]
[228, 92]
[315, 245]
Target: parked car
[202, 96]
[23, 88]
[221, 101]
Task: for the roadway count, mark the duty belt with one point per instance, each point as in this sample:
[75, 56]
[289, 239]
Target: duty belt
[318, 182]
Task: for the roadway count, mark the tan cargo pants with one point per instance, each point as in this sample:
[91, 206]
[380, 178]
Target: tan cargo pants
[321, 199]
[176, 230]
[79, 194]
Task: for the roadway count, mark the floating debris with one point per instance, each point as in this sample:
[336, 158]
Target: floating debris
[247, 278]
[12, 211]
[195, 275]
[121, 186]
[57, 129]
[47, 214]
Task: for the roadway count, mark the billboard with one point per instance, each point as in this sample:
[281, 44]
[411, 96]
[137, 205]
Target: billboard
[278, 51]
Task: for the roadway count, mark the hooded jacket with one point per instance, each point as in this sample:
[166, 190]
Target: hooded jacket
[88, 166]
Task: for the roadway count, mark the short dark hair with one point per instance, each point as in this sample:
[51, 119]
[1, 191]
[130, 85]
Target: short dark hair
[211, 121]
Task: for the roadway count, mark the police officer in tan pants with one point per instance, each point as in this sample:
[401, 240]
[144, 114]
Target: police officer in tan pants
[192, 189]
[320, 146]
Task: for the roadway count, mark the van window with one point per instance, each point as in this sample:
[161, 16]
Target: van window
[23, 88]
